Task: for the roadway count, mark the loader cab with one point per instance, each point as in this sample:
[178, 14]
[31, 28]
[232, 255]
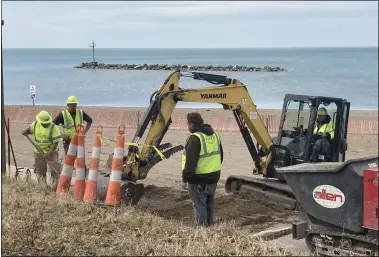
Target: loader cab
[296, 139]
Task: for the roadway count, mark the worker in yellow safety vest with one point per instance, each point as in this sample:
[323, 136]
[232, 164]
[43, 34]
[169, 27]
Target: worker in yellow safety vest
[201, 167]
[70, 119]
[47, 137]
[324, 133]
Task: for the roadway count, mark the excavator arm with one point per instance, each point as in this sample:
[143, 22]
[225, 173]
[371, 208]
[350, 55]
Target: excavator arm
[231, 93]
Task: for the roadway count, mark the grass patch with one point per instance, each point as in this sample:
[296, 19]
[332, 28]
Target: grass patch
[37, 222]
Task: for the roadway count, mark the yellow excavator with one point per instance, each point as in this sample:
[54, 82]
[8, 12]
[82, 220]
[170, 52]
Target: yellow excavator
[291, 146]
[337, 200]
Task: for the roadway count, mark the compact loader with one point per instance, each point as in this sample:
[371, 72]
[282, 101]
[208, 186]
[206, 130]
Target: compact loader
[282, 174]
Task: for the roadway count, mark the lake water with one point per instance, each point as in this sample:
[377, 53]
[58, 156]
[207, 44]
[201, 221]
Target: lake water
[350, 73]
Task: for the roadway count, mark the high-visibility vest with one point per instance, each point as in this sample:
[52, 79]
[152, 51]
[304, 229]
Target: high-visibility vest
[209, 156]
[45, 137]
[325, 128]
[69, 125]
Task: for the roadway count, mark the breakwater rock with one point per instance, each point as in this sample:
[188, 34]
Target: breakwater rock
[94, 65]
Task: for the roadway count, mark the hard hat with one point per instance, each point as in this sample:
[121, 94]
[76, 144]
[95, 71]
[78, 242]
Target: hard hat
[72, 100]
[43, 117]
[322, 111]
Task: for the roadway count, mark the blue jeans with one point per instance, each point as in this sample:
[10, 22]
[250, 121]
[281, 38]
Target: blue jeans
[202, 198]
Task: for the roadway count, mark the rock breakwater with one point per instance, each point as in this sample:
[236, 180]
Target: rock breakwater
[92, 65]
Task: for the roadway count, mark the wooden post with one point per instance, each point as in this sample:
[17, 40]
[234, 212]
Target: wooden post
[9, 149]
[3, 159]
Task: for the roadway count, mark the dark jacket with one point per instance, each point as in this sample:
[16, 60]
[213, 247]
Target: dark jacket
[192, 149]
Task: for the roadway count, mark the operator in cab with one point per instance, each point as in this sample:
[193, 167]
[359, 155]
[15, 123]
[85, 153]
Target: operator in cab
[201, 167]
[324, 133]
[46, 137]
[70, 118]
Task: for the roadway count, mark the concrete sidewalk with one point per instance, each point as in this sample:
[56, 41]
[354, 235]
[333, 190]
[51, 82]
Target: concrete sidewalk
[281, 236]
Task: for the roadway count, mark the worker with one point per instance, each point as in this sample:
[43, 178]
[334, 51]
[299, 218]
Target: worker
[323, 133]
[70, 119]
[47, 137]
[201, 167]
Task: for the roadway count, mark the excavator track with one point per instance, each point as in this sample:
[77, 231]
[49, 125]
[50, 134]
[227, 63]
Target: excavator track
[329, 242]
[271, 191]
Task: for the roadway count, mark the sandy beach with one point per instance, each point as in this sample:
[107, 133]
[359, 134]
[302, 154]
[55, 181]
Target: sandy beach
[167, 173]
[164, 196]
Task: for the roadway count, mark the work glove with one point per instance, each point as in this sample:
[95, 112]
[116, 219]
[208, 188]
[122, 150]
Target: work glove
[25, 132]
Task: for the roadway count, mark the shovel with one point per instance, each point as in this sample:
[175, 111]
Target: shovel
[41, 152]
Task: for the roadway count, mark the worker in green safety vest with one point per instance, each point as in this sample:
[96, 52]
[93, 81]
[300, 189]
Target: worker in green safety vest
[323, 133]
[201, 167]
[70, 118]
[47, 137]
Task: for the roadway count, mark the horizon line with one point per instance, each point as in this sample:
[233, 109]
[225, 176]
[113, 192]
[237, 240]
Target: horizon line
[182, 48]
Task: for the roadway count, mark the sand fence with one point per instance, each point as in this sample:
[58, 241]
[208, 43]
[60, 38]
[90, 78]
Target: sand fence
[113, 117]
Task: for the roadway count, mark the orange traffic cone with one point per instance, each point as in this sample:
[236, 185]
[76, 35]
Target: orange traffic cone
[91, 185]
[66, 174]
[114, 185]
[80, 173]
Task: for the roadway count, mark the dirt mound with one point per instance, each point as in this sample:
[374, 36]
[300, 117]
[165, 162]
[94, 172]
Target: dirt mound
[173, 204]
[37, 222]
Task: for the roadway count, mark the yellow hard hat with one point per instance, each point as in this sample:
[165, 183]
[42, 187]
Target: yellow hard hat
[322, 111]
[44, 117]
[72, 100]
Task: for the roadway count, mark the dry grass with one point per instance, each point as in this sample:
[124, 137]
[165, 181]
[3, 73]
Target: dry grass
[36, 222]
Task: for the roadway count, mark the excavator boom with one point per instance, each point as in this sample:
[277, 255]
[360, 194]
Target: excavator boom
[230, 93]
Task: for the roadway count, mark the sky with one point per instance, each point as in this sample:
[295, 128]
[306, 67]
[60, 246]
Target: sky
[185, 24]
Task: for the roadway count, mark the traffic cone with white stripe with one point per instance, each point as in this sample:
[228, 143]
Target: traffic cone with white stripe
[91, 185]
[80, 172]
[114, 186]
[66, 174]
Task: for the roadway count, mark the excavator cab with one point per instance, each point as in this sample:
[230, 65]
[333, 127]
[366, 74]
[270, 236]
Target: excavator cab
[296, 138]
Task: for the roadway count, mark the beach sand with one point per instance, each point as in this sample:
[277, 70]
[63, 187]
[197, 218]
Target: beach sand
[163, 194]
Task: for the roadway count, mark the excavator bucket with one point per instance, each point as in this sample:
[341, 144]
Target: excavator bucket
[131, 192]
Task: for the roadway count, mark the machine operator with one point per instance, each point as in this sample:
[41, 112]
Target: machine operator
[70, 118]
[324, 132]
[201, 167]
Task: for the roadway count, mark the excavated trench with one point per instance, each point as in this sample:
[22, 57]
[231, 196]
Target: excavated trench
[244, 212]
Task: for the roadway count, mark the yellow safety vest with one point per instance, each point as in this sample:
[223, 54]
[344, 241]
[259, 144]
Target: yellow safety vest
[45, 137]
[325, 128]
[209, 156]
[69, 125]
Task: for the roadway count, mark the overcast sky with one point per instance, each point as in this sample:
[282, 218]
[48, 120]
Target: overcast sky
[189, 24]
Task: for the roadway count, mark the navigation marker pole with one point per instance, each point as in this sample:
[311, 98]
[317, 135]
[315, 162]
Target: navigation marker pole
[93, 45]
